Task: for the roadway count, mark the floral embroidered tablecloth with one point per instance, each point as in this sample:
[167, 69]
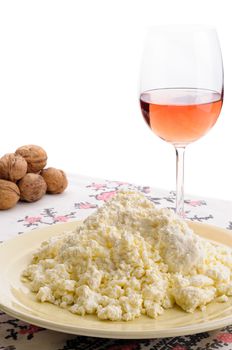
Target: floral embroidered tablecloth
[81, 198]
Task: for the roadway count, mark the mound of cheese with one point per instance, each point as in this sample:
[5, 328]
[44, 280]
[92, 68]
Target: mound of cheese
[130, 258]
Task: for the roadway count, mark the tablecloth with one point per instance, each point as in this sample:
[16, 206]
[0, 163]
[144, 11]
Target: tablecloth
[82, 197]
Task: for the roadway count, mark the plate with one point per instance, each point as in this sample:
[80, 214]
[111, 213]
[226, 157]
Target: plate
[16, 299]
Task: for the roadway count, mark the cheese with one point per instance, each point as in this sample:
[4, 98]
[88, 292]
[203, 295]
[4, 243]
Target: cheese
[127, 259]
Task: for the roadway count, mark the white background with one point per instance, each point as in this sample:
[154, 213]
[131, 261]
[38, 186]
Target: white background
[69, 74]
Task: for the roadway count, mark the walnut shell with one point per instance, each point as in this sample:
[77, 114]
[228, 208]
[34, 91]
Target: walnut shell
[9, 194]
[12, 167]
[32, 187]
[35, 156]
[55, 179]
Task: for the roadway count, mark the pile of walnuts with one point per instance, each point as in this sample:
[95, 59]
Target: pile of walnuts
[23, 177]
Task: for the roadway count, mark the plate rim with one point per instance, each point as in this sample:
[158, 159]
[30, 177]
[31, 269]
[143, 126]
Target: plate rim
[145, 334]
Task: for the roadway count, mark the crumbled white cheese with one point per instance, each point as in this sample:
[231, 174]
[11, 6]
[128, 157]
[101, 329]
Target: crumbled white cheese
[222, 299]
[130, 258]
[190, 298]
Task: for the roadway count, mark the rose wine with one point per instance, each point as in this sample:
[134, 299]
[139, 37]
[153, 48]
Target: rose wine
[180, 116]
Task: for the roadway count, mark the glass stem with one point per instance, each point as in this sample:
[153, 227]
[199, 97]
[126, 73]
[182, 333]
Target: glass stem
[180, 150]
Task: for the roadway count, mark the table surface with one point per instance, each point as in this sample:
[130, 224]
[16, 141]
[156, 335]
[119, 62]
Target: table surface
[82, 197]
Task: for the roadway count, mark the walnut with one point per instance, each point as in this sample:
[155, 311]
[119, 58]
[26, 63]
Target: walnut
[32, 187]
[35, 156]
[9, 194]
[55, 179]
[12, 167]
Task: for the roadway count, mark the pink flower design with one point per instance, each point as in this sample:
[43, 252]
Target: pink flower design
[144, 189]
[33, 219]
[225, 337]
[147, 190]
[132, 346]
[97, 186]
[105, 196]
[195, 203]
[60, 218]
[31, 329]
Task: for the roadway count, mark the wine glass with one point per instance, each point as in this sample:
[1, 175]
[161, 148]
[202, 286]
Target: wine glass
[181, 90]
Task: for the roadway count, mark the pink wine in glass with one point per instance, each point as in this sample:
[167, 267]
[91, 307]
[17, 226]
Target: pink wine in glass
[180, 115]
